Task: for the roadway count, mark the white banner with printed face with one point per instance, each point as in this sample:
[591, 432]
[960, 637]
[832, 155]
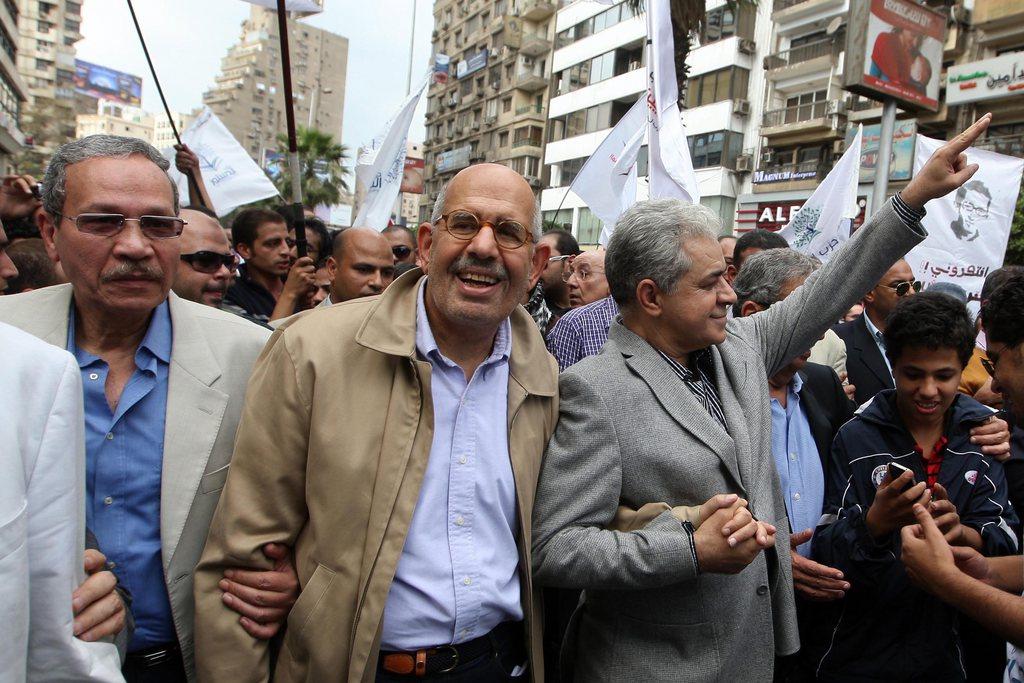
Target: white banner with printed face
[968, 229]
[231, 177]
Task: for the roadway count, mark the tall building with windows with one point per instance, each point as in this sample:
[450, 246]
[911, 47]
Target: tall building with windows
[47, 33]
[13, 92]
[493, 105]
[599, 72]
[248, 95]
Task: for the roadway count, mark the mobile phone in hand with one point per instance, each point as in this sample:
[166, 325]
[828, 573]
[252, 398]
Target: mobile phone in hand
[896, 470]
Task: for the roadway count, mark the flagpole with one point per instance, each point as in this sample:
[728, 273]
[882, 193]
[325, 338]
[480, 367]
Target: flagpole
[192, 184]
[299, 220]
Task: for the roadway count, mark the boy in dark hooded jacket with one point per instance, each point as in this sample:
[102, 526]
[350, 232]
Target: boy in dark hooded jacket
[889, 629]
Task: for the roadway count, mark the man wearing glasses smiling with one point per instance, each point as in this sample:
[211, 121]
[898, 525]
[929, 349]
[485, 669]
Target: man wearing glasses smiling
[163, 380]
[867, 366]
[207, 264]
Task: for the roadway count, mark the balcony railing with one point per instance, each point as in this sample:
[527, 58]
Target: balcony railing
[798, 113]
[1012, 145]
[530, 109]
[829, 47]
[528, 142]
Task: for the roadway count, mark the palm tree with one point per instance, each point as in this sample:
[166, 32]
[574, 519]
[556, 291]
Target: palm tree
[687, 19]
[322, 169]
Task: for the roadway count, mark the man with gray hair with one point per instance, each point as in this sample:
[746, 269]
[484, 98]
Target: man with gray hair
[676, 409]
[397, 440]
[163, 380]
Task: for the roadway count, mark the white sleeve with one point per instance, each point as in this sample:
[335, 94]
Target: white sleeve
[56, 538]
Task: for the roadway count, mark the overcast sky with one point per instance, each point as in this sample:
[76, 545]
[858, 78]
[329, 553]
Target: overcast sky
[188, 38]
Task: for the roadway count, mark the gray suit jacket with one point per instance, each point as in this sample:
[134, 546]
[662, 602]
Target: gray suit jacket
[212, 354]
[630, 432]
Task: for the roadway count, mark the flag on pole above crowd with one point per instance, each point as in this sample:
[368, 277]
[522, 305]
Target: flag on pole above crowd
[823, 223]
[607, 181]
[232, 178]
[380, 167]
[671, 170]
[304, 6]
[967, 229]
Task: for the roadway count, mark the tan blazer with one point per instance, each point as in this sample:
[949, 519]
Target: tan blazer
[830, 350]
[212, 354]
[331, 452]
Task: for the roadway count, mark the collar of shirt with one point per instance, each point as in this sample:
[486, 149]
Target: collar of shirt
[426, 345]
[879, 338]
[155, 345]
[701, 360]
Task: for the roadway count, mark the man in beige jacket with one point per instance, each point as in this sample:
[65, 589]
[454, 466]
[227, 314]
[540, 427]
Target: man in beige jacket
[395, 443]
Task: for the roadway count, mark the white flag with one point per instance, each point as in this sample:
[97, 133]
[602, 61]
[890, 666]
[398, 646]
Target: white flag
[306, 6]
[604, 181]
[231, 177]
[671, 169]
[823, 223]
[381, 165]
[967, 229]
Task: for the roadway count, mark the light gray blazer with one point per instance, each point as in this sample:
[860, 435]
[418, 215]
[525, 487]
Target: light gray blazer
[212, 354]
[630, 432]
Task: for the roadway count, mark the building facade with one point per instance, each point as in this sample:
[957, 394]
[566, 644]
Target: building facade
[13, 93]
[599, 72]
[248, 95]
[112, 118]
[492, 107]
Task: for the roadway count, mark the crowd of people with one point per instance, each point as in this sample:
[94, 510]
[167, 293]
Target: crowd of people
[477, 452]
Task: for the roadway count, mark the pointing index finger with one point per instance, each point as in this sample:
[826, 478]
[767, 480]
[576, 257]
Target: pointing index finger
[966, 139]
[931, 530]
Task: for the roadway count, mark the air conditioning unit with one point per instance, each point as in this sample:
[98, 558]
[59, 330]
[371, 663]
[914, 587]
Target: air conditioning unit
[741, 107]
[634, 65]
[748, 47]
[838, 146]
[766, 156]
[835, 107]
[490, 119]
[744, 163]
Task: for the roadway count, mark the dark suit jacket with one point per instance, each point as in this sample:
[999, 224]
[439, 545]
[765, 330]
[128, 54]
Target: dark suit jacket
[865, 366]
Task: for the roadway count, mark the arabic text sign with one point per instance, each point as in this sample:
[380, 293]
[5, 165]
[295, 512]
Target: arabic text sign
[452, 159]
[474, 63]
[968, 229]
[1001, 76]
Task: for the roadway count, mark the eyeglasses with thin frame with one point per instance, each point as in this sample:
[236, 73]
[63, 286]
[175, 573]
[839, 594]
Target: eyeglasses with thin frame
[581, 274]
[464, 225]
[210, 262]
[903, 288]
[111, 224]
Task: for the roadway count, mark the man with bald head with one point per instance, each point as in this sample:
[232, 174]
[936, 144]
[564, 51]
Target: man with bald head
[867, 365]
[360, 264]
[395, 441]
[207, 265]
[402, 244]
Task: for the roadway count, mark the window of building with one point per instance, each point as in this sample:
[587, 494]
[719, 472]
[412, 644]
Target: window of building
[8, 99]
[466, 87]
[44, 26]
[725, 22]
[527, 166]
[716, 86]
[589, 120]
[506, 105]
[569, 169]
[588, 230]
[594, 24]
[806, 106]
[503, 139]
[528, 136]
[724, 206]
[806, 39]
[557, 220]
[719, 148]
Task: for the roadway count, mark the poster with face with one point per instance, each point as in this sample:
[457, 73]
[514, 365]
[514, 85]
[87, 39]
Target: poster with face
[894, 48]
[968, 229]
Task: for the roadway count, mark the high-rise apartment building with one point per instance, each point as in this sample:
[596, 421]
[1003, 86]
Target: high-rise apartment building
[248, 96]
[13, 93]
[493, 104]
[113, 118]
[47, 33]
[600, 71]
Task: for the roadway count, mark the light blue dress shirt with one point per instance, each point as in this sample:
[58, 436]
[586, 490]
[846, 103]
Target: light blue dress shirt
[798, 463]
[123, 461]
[458, 575]
[879, 338]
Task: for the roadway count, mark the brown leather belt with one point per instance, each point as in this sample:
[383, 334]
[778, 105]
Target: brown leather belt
[446, 658]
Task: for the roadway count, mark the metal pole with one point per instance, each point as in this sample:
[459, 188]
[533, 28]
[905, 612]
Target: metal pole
[884, 154]
[412, 45]
[293, 153]
[193, 185]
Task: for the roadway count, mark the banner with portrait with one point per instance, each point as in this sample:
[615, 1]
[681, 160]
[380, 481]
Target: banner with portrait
[968, 229]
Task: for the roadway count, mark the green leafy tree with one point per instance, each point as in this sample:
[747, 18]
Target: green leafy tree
[321, 167]
[1015, 247]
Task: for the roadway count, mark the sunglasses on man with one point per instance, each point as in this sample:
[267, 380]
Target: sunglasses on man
[401, 251]
[903, 288]
[210, 262]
